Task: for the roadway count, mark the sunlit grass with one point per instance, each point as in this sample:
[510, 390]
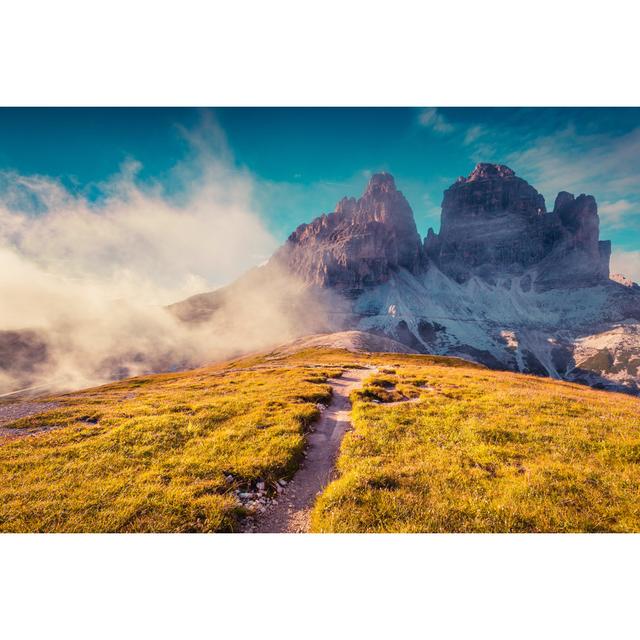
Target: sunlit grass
[153, 453]
[485, 451]
[439, 445]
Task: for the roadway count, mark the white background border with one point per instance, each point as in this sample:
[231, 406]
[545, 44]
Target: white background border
[319, 586]
[335, 52]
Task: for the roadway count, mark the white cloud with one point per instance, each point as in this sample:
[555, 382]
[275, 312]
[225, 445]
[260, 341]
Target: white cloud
[600, 164]
[141, 241]
[137, 243]
[627, 263]
[604, 165]
[91, 278]
[431, 119]
[615, 214]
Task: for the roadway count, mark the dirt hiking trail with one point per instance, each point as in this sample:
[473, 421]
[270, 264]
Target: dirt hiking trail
[291, 513]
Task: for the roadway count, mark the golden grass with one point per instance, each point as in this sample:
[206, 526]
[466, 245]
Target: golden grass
[473, 450]
[485, 451]
[152, 453]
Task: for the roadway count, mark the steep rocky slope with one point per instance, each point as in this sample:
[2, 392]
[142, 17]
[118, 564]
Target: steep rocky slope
[495, 224]
[360, 244]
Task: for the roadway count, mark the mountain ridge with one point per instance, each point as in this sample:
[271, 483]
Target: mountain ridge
[504, 282]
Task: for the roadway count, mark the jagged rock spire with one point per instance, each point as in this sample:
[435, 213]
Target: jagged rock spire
[358, 244]
[495, 223]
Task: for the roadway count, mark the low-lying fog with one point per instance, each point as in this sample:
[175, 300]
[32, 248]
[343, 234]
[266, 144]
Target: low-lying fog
[83, 282]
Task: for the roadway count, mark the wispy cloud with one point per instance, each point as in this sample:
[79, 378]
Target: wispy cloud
[617, 214]
[91, 277]
[473, 133]
[432, 119]
[603, 164]
[137, 242]
[582, 163]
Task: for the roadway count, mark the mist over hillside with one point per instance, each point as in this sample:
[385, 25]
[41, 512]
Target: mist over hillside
[84, 283]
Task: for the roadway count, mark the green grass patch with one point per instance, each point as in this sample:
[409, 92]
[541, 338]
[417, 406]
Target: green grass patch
[474, 450]
[153, 453]
[486, 451]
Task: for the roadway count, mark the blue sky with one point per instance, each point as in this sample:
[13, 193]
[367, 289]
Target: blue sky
[301, 161]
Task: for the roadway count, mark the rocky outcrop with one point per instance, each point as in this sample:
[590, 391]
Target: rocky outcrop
[579, 258]
[495, 224]
[624, 281]
[357, 245]
[492, 221]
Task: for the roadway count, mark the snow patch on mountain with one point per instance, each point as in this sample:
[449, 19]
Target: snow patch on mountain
[508, 324]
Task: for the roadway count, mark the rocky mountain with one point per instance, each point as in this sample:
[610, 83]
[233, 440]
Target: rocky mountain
[360, 244]
[504, 282]
[494, 224]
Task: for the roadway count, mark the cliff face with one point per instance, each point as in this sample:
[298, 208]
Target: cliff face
[579, 258]
[359, 244]
[495, 223]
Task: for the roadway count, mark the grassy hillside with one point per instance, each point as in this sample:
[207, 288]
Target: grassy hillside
[155, 453]
[485, 451]
[438, 445]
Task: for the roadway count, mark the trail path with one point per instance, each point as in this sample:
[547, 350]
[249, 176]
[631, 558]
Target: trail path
[291, 514]
[10, 411]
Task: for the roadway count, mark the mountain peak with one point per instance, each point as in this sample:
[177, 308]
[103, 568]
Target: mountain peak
[360, 243]
[495, 223]
[487, 171]
[381, 183]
